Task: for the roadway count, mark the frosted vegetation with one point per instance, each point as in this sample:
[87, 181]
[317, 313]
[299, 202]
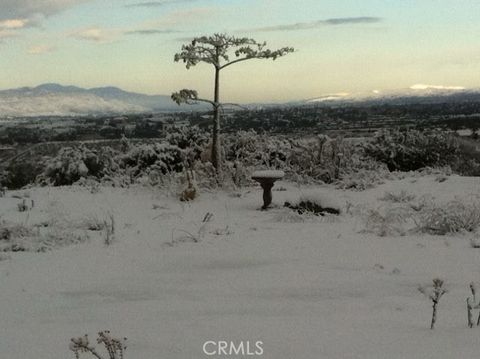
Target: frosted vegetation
[346, 163]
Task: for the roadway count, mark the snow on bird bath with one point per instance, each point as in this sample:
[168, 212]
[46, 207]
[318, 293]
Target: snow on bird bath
[268, 174]
[266, 180]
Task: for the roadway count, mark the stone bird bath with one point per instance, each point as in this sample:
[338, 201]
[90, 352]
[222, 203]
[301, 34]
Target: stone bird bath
[267, 180]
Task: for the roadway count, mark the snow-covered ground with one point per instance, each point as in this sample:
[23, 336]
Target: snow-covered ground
[307, 290]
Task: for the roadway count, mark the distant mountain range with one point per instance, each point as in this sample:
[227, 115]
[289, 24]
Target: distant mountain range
[57, 100]
[418, 94]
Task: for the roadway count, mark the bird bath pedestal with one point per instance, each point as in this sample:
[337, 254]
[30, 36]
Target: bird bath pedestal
[267, 180]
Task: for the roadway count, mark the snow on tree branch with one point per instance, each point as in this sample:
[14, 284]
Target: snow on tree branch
[219, 48]
[189, 97]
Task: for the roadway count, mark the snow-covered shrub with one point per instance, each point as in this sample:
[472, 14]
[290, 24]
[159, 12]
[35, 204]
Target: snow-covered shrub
[253, 149]
[425, 216]
[452, 217]
[91, 223]
[399, 197]
[467, 166]
[114, 347]
[21, 238]
[315, 203]
[247, 151]
[409, 150]
[152, 160]
[188, 137]
[73, 163]
[21, 173]
[362, 179]
[318, 159]
[10, 231]
[387, 222]
[357, 171]
[237, 173]
[328, 160]
[192, 141]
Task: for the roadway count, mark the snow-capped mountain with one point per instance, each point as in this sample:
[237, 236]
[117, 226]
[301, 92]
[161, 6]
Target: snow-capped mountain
[416, 94]
[58, 100]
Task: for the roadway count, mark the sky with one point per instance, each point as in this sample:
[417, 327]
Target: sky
[341, 46]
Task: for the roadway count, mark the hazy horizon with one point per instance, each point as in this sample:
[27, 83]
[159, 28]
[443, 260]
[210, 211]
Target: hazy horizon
[342, 46]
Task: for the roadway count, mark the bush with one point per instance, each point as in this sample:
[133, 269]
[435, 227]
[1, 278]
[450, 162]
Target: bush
[73, 163]
[190, 139]
[362, 179]
[258, 150]
[457, 216]
[452, 217]
[410, 150]
[152, 160]
[113, 347]
[319, 159]
[400, 197]
[20, 174]
[314, 203]
[389, 222]
[21, 238]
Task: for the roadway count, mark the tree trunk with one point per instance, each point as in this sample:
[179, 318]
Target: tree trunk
[434, 315]
[216, 144]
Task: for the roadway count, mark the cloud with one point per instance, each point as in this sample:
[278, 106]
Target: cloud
[157, 3]
[319, 24]
[185, 39]
[5, 34]
[169, 23]
[435, 87]
[151, 32]
[161, 26]
[352, 20]
[40, 49]
[95, 34]
[13, 23]
[16, 15]
[34, 9]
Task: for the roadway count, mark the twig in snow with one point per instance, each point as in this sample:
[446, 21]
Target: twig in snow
[434, 293]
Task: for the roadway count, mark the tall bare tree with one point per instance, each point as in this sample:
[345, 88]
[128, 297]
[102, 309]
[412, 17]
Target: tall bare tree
[220, 51]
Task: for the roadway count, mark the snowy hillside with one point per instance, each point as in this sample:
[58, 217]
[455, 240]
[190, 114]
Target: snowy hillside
[416, 94]
[307, 287]
[58, 104]
[58, 100]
